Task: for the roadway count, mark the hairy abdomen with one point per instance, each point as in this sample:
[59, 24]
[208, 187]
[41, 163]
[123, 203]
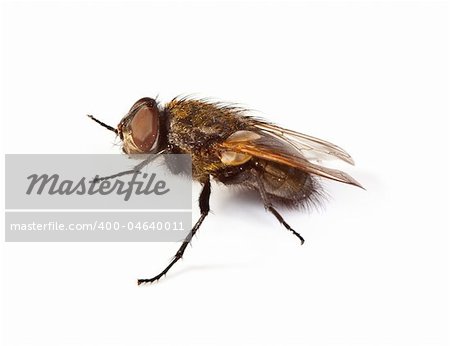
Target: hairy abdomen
[284, 185]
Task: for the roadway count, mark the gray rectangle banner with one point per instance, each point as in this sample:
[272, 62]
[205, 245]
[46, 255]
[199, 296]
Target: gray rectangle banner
[65, 182]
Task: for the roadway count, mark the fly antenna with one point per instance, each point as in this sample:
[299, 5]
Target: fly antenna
[110, 128]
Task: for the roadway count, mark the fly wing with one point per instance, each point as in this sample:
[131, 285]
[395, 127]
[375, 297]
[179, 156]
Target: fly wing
[270, 147]
[311, 148]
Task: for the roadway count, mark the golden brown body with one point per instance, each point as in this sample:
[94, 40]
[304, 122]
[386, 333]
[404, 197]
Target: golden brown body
[198, 128]
[195, 127]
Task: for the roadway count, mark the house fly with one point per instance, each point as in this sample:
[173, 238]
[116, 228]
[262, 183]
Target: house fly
[233, 148]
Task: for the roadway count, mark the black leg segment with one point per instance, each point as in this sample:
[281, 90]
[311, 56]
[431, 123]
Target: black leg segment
[135, 169]
[204, 209]
[269, 207]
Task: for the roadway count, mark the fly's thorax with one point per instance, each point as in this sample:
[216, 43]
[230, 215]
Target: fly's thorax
[196, 125]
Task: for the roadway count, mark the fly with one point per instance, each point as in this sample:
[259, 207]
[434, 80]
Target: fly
[233, 148]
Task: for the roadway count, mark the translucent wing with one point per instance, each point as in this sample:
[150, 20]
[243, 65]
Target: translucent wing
[310, 147]
[272, 148]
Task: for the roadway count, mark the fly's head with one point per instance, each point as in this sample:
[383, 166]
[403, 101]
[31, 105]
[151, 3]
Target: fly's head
[139, 129]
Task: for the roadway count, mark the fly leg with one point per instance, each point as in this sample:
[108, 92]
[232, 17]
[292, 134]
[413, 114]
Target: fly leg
[269, 207]
[134, 170]
[204, 209]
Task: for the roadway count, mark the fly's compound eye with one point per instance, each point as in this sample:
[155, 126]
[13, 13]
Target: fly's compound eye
[139, 129]
[144, 126]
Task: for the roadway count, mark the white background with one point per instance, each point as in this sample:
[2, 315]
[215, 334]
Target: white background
[369, 76]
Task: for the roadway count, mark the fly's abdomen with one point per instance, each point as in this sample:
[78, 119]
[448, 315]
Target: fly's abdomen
[288, 186]
[284, 185]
